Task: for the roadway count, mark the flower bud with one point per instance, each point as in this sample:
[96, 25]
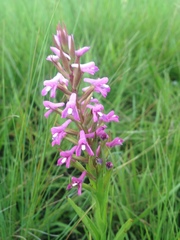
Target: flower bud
[109, 165]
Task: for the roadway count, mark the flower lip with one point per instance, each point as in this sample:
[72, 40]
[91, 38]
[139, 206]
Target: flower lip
[71, 108]
[83, 145]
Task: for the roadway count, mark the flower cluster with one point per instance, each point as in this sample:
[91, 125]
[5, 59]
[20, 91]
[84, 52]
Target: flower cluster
[85, 119]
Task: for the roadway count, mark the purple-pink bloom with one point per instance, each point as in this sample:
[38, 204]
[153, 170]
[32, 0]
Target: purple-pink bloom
[58, 133]
[71, 108]
[110, 117]
[66, 157]
[51, 107]
[58, 53]
[77, 182]
[83, 145]
[81, 51]
[115, 142]
[101, 133]
[52, 84]
[99, 84]
[96, 111]
[90, 67]
[94, 100]
[52, 58]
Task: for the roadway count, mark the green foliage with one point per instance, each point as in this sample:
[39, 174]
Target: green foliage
[137, 45]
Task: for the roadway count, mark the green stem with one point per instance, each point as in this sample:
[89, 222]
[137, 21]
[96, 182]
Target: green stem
[100, 198]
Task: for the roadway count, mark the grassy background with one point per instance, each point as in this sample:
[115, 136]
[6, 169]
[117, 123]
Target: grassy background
[137, 45]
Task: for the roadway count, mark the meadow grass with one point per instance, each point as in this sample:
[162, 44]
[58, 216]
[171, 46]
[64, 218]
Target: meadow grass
[137, 45]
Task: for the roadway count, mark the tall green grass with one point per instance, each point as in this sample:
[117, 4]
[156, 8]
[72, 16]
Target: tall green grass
[137, 45]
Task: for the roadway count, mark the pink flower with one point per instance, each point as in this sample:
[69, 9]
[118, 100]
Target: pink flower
[94, 100]
[51, 107]
[99, 84]
[52, 58]
[58, 53]
[83, 145]
[96, 111]
[66, 157]
[87, 67]
[101, 133]
[81, 51]
[58, 133]
[52, 84]
[77, 182]
[115, 142]
[71, 108]
[110, 117]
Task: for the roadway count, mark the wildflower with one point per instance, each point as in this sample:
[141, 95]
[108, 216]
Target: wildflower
[110, 117]
[83, 145]
[51, 107]
[52, 84]
[99, 84]
[52, 58]
[77, 182]
[94, 100]
[66, 157]
[86, 112]
[87, 67]
[96, 110]
[101, 133]
[81, 51]
[115, 142]
[71, 108]
[58, 53]
[58, 133]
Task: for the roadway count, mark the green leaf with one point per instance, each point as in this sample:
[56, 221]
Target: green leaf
[122, 231]
[85, 219]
